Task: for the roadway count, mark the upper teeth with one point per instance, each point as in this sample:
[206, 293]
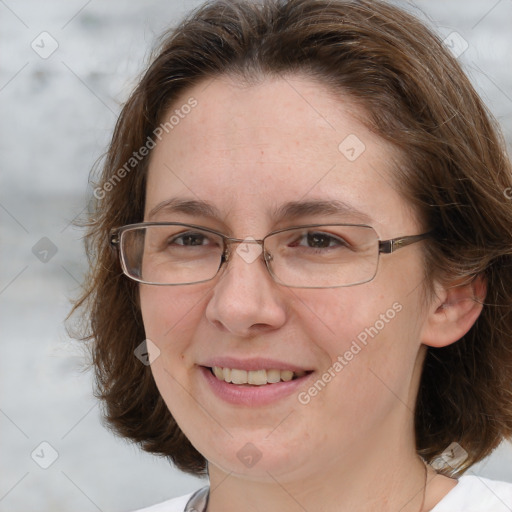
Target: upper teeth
[255, 377]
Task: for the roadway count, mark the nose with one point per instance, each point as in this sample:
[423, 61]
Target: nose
[245, 299]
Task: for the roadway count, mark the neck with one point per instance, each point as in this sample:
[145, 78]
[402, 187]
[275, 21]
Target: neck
[365, 479]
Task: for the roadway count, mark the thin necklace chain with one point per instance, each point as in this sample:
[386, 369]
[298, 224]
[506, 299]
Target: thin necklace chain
[424, 486]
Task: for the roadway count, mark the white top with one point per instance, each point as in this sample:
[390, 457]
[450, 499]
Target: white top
[471, 494]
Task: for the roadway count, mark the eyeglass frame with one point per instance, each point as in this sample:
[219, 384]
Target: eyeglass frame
[384, 247]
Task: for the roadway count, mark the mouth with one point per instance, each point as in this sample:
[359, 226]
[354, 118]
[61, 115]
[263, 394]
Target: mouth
[255, 377]
[253, 382]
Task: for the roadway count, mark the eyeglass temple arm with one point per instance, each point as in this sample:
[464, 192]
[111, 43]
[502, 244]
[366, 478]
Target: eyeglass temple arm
[388, 246]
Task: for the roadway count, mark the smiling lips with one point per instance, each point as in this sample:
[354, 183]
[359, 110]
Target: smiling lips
[255, 377]
[254, 382]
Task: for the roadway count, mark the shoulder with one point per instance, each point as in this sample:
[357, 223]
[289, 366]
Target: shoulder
[172, 505]
[477, 494]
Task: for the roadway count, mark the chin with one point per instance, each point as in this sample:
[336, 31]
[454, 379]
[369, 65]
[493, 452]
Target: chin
[252, 456]
[259, 469]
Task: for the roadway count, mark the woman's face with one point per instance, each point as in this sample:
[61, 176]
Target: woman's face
[247, 152]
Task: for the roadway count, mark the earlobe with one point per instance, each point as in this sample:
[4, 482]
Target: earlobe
[454, 311]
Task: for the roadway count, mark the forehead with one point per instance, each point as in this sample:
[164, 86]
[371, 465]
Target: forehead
[249, 148]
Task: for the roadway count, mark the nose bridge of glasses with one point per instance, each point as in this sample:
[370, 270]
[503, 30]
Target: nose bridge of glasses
[246, 248]
[246, 240]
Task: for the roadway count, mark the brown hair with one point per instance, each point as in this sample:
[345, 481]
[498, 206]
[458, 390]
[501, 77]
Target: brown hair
[455, 172]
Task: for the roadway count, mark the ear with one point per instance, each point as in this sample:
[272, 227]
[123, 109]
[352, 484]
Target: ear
[454, 311]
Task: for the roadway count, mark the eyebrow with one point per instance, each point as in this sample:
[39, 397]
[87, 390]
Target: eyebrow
[188, 206]
[287, 211]
[330, 207]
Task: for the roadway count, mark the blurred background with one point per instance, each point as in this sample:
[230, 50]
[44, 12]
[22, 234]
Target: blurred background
[65, 69]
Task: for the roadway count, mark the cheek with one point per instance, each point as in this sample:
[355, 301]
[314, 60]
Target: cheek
[387, 310]
[169, 316]
[368, 370]
[336, 317]
[364, 335]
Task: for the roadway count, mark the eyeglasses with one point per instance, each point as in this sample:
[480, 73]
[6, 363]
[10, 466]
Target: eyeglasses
[312, 256]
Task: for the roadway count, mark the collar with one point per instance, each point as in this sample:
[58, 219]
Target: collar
[198, 501]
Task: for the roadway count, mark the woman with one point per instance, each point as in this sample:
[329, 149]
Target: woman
[301, 264]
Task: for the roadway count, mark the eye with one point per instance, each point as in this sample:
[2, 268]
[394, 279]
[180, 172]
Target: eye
[319, 240]
[190, 239]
